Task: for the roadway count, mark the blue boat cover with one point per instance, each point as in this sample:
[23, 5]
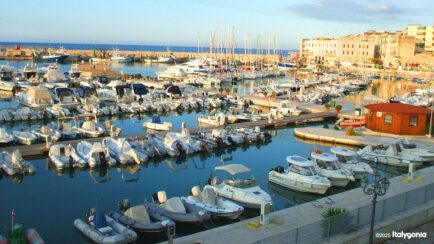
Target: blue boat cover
[99, 220]
[156, 120]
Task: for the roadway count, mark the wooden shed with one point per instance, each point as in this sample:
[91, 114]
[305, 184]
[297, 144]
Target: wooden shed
[397, 118]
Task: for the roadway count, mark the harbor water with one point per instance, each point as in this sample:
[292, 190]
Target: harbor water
[51, 200]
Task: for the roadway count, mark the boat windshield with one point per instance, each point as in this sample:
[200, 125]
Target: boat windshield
[243, 180]
[347, 159]
[303, 170]
[330, 165]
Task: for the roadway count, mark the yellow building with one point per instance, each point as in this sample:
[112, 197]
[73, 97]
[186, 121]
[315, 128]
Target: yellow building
[319, 50]
[356, 49]
[423, 34]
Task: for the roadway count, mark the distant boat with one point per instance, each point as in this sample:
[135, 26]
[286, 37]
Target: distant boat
[119, 58]
[57, 57]
[287, 65]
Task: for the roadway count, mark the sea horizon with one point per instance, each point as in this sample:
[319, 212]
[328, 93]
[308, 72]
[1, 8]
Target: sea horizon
[134, 47]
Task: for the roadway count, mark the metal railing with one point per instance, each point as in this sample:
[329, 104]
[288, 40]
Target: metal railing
[355, 219]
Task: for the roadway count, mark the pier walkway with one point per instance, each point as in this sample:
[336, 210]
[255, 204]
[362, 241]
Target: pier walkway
[41, 148]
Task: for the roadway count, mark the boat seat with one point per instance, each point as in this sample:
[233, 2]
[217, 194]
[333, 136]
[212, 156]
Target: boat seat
[175, 205]
[209, 196]
[45, 130]
[89, 125]
[105, 230]
[138, 213]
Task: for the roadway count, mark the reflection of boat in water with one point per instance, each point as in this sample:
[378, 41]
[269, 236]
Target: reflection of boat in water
[103, 174]
[292, 196]
[133, 170]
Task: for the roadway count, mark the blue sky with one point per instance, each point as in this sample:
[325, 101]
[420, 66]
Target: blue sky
[184, 22]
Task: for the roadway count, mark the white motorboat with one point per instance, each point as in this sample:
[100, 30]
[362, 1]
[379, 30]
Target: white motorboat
[411, 149]
[214, 120]
[182, 141]
[156, 124]
[348, 160]
[252, 135]
[117, 57]
[121, 150]
[64, 156]
[68, 132]
[158, 147]
[45, 133]
[13, 164]
[209, 201]
[5, 116]
[36, 97]
[389, 155]
[24, 137]
[327, 165]
[94, 154]
[229, 138]
[7, 82]
[5, 137]
[91, 129]
[65, 97]
[240, 188]
[301, 175]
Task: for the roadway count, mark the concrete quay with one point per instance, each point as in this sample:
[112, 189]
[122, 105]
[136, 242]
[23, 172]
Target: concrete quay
[405, 205]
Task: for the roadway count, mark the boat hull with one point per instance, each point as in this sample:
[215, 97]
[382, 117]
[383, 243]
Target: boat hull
[279, 179]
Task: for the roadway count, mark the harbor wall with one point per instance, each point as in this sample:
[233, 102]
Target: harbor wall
[304, 224]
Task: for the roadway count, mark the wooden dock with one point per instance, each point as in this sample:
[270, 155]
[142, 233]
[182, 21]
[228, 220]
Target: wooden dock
[41, 148]
[340, 137]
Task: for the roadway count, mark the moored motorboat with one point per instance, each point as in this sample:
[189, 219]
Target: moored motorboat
[101, 228]
[301, 175]
[13, 164]
[174, 209]
[389, 155]
[5, 138]
[242, 190]
[328, 166]
[348, 160]
[209, 201]
[45, 133]
[121, 150]
[64, 156]
[24, 137]
[91, 129]
[156, 124]
[353, 122]
[94, 154]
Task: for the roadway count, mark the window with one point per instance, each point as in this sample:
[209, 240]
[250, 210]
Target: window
[388, 119]
[413, 121]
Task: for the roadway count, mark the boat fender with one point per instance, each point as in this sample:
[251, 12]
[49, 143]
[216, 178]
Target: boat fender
[219, 141]
[180, 148]
[102, 158]
[231, 140]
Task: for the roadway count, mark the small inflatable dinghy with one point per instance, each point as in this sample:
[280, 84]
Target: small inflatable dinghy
[101, 228]
[137, 218]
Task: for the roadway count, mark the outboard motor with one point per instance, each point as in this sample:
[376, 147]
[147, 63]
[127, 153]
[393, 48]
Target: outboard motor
[219, 142]
[233, 143]
[267, 135]
[279, 169]
[155, 197]
[180, 148]
[102, 158]
[140, 100]
[205, 147]
[71, 161]
[124, 205]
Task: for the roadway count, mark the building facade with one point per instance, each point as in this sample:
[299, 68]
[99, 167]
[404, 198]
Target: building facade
[423, 34]
[319, 50]
[355, 49]
[396, 118]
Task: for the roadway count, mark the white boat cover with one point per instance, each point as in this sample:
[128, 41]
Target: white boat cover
[233, 169]
[138, 213]
[174, 205]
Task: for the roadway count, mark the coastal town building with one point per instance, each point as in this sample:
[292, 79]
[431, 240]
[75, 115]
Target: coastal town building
[423, 34]
[400, 49]
[396, 118]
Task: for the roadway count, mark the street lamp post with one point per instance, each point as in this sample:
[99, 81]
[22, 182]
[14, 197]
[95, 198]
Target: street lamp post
[378, 187]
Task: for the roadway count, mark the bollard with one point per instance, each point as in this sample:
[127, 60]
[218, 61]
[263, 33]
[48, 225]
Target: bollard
[265, 212]
[411, 169]
[170, 232]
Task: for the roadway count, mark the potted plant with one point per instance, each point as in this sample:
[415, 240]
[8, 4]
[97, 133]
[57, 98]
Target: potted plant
[327, 107]
[234, 90]
[265, 93]
[227, 90]
[338, 108]
[221, 90]
[336, 220]
[273, 94]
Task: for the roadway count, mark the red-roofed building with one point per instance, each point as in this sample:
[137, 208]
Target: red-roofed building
[397, 118]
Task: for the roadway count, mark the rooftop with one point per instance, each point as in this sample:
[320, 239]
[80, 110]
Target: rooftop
[400, 108]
